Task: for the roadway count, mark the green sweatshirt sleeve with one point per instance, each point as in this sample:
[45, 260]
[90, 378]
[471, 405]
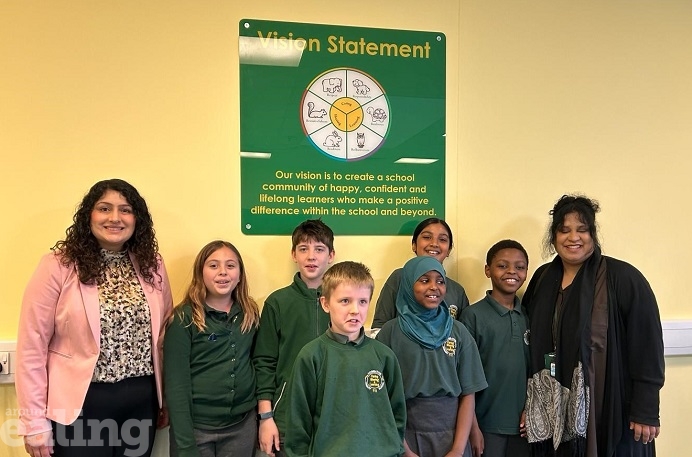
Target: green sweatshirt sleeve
[397, 397]
[178, 384]
[302, 400]
[266, 354]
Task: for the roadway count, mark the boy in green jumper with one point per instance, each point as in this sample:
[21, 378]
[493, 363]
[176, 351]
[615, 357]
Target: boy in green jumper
[346, 394]
[499, 327]
[291, 317]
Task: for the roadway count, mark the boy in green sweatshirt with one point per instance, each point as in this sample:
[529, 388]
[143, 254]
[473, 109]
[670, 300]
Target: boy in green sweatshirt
[291, 317]
[346, 394]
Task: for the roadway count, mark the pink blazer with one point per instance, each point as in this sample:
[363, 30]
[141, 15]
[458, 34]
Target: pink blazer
[59, 341]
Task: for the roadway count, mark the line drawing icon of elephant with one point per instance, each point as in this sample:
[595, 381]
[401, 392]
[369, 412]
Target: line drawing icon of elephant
[331, 85]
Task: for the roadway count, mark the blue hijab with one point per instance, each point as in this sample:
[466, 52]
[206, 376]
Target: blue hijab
[428, 327]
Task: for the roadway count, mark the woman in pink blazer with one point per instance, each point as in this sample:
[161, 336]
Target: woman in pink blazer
[89, 346]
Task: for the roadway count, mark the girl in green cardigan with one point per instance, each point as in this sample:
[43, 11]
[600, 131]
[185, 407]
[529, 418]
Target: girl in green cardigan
[209, 377]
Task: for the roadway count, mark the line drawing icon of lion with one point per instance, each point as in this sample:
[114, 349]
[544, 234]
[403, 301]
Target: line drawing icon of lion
[377, 114]
[331, 85]
[361, 88]
[332, 140]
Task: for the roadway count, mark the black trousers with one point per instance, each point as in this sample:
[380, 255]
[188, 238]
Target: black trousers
[117, 420]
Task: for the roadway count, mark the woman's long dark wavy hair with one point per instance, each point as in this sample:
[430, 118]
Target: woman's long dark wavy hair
[81, 248]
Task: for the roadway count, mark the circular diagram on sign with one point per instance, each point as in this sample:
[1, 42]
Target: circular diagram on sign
[345, 114]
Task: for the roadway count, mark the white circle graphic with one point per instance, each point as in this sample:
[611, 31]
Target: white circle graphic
[345, 114]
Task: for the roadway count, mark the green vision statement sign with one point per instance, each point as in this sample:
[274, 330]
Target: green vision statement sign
[341, 123]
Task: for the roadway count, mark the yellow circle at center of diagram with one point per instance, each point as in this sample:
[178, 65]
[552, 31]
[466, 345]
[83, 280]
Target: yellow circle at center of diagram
[346, 114]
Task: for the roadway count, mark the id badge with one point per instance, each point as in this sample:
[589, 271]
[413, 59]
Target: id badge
[549, 360]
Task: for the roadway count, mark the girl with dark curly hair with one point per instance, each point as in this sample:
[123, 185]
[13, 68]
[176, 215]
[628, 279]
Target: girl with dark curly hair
[90, 332]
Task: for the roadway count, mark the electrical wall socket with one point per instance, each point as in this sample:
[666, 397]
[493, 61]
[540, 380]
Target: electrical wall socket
[4, 363]
[8, 361]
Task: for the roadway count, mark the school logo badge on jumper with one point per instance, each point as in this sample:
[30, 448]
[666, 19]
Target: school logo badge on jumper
[374, 380]
[450, 346]
[527, 337]
[453, 311]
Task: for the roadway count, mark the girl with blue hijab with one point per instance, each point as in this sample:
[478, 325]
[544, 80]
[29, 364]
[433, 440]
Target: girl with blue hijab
[439, 361]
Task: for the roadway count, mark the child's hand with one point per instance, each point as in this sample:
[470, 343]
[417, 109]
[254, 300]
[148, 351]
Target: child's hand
[477, 441]
[522, 424]
[162, 419]
[268, 437]
[407, 450]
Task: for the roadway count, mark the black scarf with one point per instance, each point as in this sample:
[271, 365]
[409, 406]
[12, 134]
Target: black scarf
[570, 341]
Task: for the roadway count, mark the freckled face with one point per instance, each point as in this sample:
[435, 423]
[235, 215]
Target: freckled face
[433, 241]
[429, 290]
[573, 242]
[348, 308]
[112, 221]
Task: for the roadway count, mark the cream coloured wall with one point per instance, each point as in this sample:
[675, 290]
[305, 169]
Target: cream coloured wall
[544, 98]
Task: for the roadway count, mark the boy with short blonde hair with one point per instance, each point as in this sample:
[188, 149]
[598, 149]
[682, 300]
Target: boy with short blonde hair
[346, 395]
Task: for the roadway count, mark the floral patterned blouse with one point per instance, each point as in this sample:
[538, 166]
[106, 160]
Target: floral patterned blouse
[125, 322]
